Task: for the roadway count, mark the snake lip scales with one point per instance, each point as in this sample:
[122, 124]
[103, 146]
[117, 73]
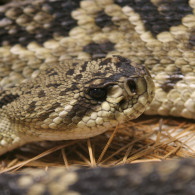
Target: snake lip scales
[110, 91]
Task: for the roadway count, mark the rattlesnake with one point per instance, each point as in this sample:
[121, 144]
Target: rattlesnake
[168, 177]
[72, 69]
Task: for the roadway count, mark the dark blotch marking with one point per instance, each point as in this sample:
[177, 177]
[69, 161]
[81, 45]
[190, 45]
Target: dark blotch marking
[31, 107]
[122, 60]
[125, 65]
[28, 92]
[173, 79]
[1, 92]
[105, 62]
[70, 72]
[55, 85]
[37, 86]
[99, 74]
[99, 50]
[72, 88]
[79, 109]
[107, 68]
[61, 24]
[81, 112]
[192, 39]
[154, 21]
[84, 66]
[54, 106]
[78, 76]
[41, 94]
[49, 111]
[62, 93]
[7, 99]
[102, 19]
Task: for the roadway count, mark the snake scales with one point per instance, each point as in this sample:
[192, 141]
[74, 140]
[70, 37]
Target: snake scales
[72, 69]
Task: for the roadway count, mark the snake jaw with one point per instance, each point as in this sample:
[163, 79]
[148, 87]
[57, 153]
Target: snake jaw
[82, 103]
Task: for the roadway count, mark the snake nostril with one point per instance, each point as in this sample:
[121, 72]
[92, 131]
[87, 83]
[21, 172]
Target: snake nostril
[132, 85]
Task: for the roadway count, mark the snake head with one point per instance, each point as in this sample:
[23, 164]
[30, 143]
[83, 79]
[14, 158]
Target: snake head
[119, 91]
[77, 99]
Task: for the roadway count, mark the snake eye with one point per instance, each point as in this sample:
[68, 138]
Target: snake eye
[98, 93]
[132, 85]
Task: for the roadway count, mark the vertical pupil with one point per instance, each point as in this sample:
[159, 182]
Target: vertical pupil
[132, 86]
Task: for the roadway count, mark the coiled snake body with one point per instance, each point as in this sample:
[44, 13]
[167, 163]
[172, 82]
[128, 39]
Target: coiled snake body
[72, 69]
